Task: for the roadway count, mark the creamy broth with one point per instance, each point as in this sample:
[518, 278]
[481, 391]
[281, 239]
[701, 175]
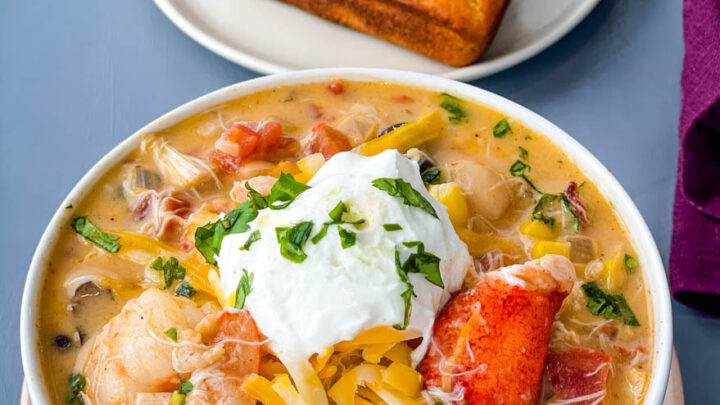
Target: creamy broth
[72, 315]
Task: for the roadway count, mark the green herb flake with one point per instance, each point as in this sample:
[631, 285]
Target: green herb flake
[392, 227]
[107, 241]
[502, 128]
[292, 239]
[347, 238]
[608, 306]
[631, 264]
[254, 237]
[257, 198]
[185, 289]
[538, 213]
[171, 270]
[172, 334]
[208, 238]
[407, 294]
[518, 169]
[244, 288]
[77, 383]
[321, 234]
[431, 176]
[336, 213]
[569, 207]
[401, 189]
[284, 191]
[185, 387]
[453, 106]
[424, 263]
[523, 153]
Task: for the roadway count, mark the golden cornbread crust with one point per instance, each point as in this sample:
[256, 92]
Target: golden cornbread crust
[455, 32]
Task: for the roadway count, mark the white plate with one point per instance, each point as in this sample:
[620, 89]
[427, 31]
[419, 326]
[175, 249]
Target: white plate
[272, 37]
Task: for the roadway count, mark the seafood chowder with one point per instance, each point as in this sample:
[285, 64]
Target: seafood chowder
[345, 243]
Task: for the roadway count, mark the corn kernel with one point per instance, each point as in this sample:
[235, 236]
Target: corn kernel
[543, 248]
[451, 196]
[262, 390]
[403, 378]
[538, 230]
[310, 164]
[479, 243]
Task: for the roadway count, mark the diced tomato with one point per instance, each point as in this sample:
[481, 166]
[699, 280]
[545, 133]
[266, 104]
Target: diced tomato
[578, 373]
[246, 140]
[335, 87]
[328, 141]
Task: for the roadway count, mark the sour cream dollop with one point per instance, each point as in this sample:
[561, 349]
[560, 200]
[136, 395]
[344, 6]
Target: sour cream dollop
[336, 293]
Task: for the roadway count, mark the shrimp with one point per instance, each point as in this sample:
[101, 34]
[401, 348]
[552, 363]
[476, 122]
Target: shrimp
[132, 354]
[158, 339]
[490, 342]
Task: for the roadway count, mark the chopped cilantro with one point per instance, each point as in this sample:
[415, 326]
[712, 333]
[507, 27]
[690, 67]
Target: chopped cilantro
[431, 176]
[631, 264]
[523, 153]
[518, 170]
[84, 227]
[502, 128]
[392, 227]
[608, 306]
[347, 238]
[538, 214]
[401, 189]
[453, 106]
[292, 239]
[208, 238]
[77, 383]
[254, 237]
[424, 263]
[185, 289]
[321, 234]
[257, 198]
[185, 387]
[171, 270]
[244, 288]
[340, 214]
[172, 334]
[407, 294]
[569, 207]
[284, 191]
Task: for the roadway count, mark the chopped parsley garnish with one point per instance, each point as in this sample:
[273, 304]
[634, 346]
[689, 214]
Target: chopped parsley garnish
[453, 106]
[208, 238]
[569, 207]
[172, 334]
[284, 191]
[424, 263]
[402, 189]
[254, 237]
[347, 238]
[523, 153]
[185, 387]
[631, 264]
[339, 215]
[244, 288]
[171, 270]
[257, 198]
[292, 239]
[538, 214]
[77, 383]
[431, 176]
[107, 241]
[392, 227]
[608, 306]
[405, 295]
[185, 289]
[518, 170]
[502, 128]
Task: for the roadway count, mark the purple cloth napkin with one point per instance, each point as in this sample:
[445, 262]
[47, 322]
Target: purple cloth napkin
[695, 251]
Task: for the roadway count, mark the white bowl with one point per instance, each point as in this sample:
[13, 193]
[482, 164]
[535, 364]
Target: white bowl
[650, 261]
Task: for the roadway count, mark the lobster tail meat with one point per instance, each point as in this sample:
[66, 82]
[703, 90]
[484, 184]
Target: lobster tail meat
[490, 342]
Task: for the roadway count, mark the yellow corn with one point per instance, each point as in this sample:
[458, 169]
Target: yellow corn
[543, 248]
[451, 196]
[284, 388]
[479, 243]
[538, 230]
[374, 353]
[400, 353]
[428, 127]
[262, 390]
[614, 273]
[177, 398]
[310, 164]
[403, 378]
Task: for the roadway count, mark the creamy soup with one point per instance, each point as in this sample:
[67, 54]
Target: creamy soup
[345, 243]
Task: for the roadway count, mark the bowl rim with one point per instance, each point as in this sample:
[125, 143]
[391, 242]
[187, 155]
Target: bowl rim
[653, 268]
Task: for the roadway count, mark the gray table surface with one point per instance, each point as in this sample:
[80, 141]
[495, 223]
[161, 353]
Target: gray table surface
[78, 76]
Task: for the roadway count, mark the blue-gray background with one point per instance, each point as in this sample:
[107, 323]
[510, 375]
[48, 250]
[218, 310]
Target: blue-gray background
[78, 76]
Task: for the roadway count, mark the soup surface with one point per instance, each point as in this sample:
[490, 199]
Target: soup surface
[345, 243]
